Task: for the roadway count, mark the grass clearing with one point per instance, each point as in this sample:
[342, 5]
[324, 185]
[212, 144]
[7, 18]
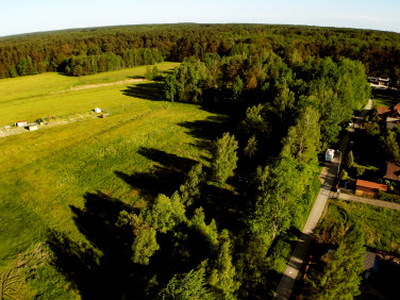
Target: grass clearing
[380, 225]
[46, 175]
[386, 97]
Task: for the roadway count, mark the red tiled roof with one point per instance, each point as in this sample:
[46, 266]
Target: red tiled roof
[371, 185]
[392, 171]
[396, 107]
[382, 110]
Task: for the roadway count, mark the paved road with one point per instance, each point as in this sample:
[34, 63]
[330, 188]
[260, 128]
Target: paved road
[327, 176]
[370, 201]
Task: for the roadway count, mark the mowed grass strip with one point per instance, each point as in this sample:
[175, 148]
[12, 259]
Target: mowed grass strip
[46, 173]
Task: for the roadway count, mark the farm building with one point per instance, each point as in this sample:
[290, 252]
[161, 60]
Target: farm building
[368, 188]
[97, 110]
[21, 124]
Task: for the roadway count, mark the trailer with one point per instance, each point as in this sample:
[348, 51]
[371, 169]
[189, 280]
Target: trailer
[329, 154]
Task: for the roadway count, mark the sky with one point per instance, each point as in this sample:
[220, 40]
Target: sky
[25, 16]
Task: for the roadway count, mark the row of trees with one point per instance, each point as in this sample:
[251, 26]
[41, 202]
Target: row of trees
[379, 51]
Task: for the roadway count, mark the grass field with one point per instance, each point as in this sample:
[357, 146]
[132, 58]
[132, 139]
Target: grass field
[380, 225]
[47, 175]
[386, 97]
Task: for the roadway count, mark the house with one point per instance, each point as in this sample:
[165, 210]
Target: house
[370, 263]
[391, 123]
[21, 124]
[392, 171]
[368, 188]
[391, 115]
[382, 81]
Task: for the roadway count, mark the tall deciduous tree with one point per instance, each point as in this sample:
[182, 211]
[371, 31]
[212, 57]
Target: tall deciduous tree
[144, 246]
[191, 189]
[170, 87]
[224, 159]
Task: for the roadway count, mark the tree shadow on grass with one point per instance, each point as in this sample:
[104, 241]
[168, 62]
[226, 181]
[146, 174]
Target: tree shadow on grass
[159, 181]
[149, 91]
[102, 268]
[164, 179]
[168, 160]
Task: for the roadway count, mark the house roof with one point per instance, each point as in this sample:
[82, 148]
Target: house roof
[382, 110]
[371, 185]
[369, 260]
[392, 171]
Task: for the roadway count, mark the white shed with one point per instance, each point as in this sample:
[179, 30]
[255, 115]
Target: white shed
[97, 110]
[21, 124]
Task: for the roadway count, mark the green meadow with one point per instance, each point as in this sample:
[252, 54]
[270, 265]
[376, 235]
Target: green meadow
[380, 225]
[47, 175]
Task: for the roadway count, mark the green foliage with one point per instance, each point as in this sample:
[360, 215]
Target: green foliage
[170, 87]
[251, 148]
[302, 141]
[237, 87]
[191, 189]
[151, 73]
[391, 147]
[222, 277]
[145, 246]
[187, 286]
[224, 157]
[374, 129]
[135, 222]
[340, 277]
[349, 159]
[210, 231]
[161, 214]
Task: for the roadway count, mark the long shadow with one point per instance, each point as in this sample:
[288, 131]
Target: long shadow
[159, 181]
[103, 268]
[209, 129]
[168, 160]
[149, 91]
[164, 179]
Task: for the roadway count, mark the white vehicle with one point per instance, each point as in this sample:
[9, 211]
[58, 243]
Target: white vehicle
[329, 154]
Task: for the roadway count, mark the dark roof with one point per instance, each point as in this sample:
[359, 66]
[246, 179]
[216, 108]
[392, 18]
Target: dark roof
[369, 260]
[392, 171]
[371, 185]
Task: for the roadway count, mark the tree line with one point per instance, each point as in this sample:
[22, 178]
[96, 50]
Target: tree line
[101, 49]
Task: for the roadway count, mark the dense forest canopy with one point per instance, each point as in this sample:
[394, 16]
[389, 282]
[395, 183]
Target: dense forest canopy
[92, 50]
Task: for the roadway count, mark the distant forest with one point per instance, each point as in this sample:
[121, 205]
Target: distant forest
[92, 50]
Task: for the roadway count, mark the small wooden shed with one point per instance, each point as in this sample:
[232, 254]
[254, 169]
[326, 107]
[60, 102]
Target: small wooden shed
[369, 189]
